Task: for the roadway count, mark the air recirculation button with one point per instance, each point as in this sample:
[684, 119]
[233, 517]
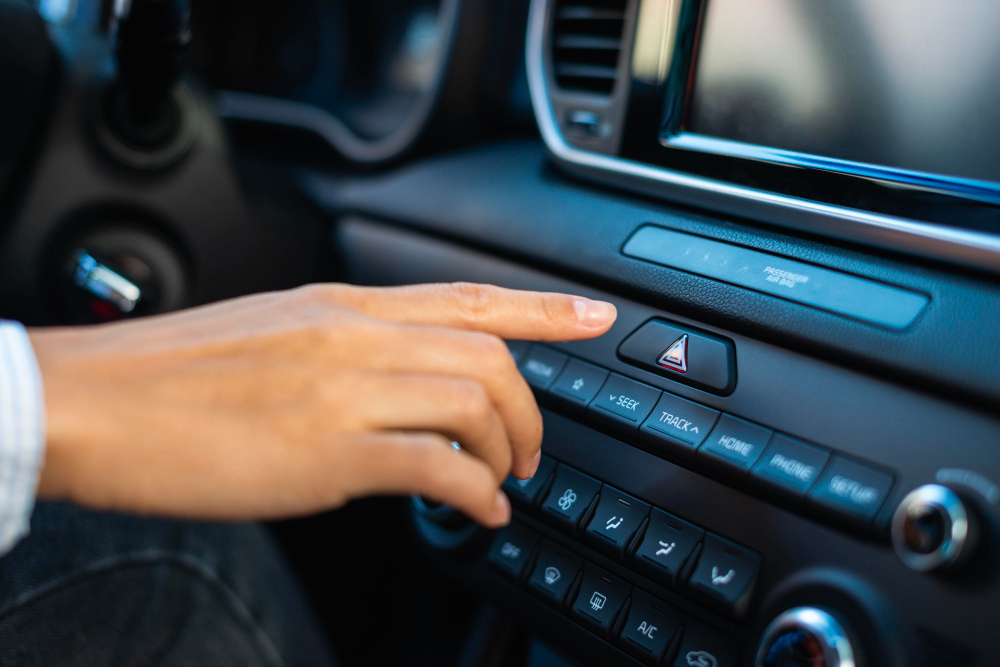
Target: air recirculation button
[805, 637]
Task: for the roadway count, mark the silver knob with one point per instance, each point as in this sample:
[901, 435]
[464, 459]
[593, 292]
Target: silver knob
[932, 529]
[805, 636]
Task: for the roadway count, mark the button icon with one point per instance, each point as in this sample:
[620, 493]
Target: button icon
[665, 548]
[723, 579]
[510, 551]
[701, 659]
[597, 601]
[614, 522]
[578, 384]
[646, 629]
[552, 575]
[675, 357]
[567, 500]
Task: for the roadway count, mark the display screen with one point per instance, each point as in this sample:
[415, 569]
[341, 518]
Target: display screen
[905, 84]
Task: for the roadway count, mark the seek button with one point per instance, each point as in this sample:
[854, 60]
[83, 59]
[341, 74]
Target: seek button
[624, 403]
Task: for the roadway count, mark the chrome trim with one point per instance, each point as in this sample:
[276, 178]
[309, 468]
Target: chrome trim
[967, 188]
[958, 535]
[924, 239]
[828, 632]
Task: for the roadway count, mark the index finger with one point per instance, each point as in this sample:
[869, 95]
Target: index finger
[508, 313]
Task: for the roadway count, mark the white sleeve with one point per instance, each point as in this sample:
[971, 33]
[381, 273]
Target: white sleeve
[22, 432]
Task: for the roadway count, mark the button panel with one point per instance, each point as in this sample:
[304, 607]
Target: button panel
[779, 466]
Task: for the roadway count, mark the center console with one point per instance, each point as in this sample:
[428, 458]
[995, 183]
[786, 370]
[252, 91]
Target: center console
[709, 499]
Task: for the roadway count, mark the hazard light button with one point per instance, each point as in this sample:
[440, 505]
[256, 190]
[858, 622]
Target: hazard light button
[684, 354]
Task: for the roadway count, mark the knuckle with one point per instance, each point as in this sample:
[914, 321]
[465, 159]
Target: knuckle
[426, 449]
[473, 300]
[473, 402]
[492, 353]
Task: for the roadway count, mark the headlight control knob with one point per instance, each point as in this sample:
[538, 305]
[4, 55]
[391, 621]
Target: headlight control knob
[805, 637]
[932, 529]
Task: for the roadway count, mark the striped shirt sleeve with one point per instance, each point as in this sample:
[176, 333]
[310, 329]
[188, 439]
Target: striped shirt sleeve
[22, 432]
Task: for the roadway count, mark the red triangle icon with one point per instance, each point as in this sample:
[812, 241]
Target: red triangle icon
[675, 357]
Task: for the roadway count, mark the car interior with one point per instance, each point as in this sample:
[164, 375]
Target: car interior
[785, 452]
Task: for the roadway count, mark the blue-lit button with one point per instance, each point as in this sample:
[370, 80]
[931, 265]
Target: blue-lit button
[623, 403]
[734, 445]
[540, 365]
[790, 465]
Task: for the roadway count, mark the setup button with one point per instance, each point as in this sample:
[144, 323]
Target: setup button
[851, 490]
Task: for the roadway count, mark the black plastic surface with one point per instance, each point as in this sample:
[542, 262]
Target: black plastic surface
[505, 198]
[895, 613]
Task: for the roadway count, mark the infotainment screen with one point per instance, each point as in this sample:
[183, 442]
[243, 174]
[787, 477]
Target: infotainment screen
[894, 88]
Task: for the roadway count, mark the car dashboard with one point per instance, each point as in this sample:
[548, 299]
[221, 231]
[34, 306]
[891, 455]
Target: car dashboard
[786, 451]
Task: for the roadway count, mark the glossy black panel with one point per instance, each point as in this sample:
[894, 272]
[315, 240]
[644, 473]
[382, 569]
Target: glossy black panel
[901, 83]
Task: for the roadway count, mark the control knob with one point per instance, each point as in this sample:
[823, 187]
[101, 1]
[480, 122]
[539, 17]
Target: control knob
[933, 529]
[805, 637]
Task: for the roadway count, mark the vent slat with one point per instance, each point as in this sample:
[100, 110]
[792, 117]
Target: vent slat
[586, 44]
[584, 13]
[590, 71]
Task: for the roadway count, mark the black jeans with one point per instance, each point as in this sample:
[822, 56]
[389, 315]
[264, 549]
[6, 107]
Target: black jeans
[91, 588]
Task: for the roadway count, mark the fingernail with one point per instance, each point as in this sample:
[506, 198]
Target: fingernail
[594, 313]
[501, 510]
[533, 467]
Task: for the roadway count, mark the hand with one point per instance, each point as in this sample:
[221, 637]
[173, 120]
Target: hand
[293, 402]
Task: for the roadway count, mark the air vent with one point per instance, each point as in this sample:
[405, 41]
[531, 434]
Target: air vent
[935, 650]
[586, 43]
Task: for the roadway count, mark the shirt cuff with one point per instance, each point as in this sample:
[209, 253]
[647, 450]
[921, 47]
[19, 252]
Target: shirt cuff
[22, 432]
